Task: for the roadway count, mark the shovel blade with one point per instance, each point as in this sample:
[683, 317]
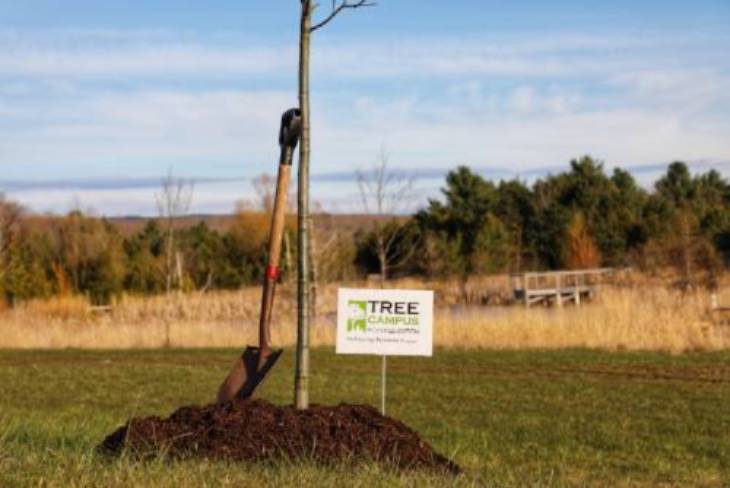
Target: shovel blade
[246, 374]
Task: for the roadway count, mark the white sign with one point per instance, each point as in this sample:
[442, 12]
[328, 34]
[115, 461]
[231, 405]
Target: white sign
[385, 322]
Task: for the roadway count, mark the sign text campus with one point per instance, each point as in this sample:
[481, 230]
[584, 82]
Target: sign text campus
[385, 322]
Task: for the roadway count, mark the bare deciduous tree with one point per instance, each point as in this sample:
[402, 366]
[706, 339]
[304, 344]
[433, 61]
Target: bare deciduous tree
[265, 187]
[385, 193]
[306, 28]
[173, 202]
[315, 257]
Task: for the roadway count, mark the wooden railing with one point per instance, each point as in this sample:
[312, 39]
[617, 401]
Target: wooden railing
[558, 287]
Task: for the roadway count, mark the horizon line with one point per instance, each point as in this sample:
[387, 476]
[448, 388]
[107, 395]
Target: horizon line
[497, 173]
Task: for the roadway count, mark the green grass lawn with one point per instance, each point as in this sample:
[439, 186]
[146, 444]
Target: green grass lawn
[509, 418]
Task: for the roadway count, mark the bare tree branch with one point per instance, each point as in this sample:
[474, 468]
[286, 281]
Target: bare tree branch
[264, 186]
[384, 193]
[173, 202]
[337, 9]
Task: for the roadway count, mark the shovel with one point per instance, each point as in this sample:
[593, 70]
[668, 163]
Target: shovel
[251, 368]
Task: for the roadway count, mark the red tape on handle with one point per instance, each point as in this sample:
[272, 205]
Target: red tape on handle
[272, 272]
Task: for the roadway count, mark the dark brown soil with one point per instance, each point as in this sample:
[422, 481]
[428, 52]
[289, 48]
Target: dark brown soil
[255, 430]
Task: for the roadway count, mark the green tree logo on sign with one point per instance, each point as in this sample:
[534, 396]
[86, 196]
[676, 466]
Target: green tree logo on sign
[356, 315]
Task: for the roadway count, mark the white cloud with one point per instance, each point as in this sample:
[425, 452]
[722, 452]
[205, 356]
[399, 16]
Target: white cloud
[522, 99]
[163, 127]
[172, 60]
[153, 130]
[689, 90]
[89, 54]
[621, 136]
[519, 104]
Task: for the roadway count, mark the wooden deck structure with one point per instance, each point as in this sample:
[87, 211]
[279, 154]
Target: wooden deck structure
[557, 287]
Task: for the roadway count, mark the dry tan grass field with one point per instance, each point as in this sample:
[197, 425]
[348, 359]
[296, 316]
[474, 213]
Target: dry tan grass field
[639, 314]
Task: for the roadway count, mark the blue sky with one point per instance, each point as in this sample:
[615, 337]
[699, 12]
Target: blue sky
[98, 100]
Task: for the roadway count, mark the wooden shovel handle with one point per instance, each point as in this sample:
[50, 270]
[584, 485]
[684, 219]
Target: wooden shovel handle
[271, 275]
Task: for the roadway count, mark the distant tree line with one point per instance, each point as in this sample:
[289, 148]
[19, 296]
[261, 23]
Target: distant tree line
[580, 218]
[576, 219]
[83, 254]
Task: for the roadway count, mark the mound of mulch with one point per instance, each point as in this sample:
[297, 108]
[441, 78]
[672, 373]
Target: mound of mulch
[255, 430]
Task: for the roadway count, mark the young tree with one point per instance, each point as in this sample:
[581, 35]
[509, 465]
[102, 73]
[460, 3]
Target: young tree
[385, 193]
[173, 202]
[264, 185]
[580, 249]
[306, 28]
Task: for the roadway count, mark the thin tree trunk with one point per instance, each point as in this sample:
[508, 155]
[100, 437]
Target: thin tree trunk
[179, 270]
[383, 258]
[168, 258]
[301, 379]
[314, 265]
[463, 285]
[518, 256]
[287, 258]
[686, 251]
